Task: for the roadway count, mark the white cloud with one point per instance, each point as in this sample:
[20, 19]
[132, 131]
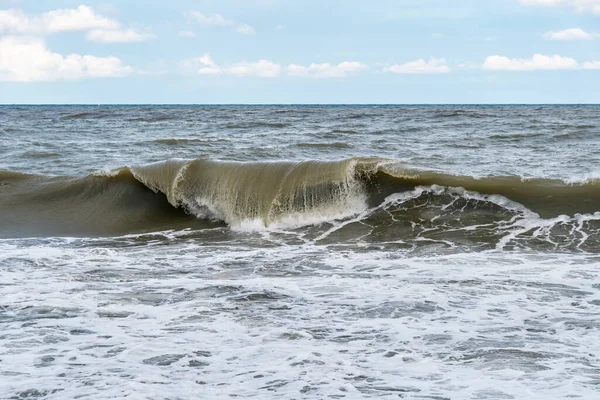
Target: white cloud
[187, 34]
[326, 70]
[205, 60]
[199, 65]
[206, 66]
[219, 20]
[28, 60]
[591, 65]
[420, 66]
[14, 21]
[437, 35]
[266, 69]
[81, 18]
[537, 62]
[297, 70]
[262, 68]
[211, 20]
[245, 29]
[569, 34]
[579, 5]
[279, 27]
[76, 19]
[117, 36]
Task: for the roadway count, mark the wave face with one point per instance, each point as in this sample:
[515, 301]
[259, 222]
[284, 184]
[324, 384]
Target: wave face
[34, 205]
[265, 193]
[372, 199]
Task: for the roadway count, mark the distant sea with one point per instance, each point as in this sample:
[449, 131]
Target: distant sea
[283, 251]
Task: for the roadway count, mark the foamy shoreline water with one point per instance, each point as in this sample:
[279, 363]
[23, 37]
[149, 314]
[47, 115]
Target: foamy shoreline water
[298, 322]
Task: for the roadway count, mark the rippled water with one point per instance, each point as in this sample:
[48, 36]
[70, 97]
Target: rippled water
[425, 293]
[543, 141]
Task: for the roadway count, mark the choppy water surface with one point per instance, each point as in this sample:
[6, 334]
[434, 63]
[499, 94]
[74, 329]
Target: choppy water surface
[299, 252]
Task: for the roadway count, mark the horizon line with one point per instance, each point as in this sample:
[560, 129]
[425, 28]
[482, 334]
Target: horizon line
[298, 104]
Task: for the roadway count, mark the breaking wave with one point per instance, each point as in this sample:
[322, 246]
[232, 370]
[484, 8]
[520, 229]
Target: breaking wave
[373, 198]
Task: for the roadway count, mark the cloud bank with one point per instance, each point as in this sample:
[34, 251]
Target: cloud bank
[205, 65]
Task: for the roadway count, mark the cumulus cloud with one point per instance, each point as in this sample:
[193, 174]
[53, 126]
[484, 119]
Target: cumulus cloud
[219, 20]
[82, 18]
[326, 70]
[28, 60]
[591, 65]
[569, 34]
[578, 5]
[206, 66]
[420, 66]
[537, 62]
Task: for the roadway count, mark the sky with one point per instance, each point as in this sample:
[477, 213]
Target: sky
[299, 51]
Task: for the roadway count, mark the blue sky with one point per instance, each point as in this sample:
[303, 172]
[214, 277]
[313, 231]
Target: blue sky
[277, 51]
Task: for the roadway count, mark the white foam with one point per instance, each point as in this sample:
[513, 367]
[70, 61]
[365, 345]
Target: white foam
[499, 200]
[352, 206]
[107, 172]
[583, 179]
[344, 323]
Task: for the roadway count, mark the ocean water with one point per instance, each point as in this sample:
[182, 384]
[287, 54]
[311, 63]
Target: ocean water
[418, 252]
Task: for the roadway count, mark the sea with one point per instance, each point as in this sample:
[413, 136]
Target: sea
[300, 252]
